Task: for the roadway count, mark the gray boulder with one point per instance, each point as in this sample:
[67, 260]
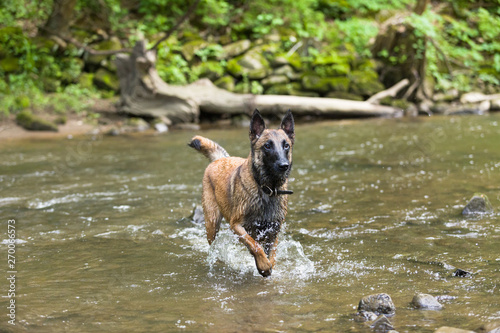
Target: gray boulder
[478, 204]
[377, 303]
[426, 302]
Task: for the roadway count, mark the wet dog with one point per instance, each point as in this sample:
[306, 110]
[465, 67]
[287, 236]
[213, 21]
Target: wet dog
[250, 193]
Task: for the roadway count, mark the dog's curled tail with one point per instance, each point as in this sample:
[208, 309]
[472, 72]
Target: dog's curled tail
[212, 150]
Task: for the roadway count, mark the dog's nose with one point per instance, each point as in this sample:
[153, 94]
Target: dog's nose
[283, 166]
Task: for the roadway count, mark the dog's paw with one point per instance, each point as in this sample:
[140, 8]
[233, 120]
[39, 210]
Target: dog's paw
[265, 273]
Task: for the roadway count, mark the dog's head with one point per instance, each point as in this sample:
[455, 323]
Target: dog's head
[271, 150]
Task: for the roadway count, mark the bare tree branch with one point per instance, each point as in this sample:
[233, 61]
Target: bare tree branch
[88, 49]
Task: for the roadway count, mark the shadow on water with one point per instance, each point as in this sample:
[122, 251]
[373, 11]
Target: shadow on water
[103, 242]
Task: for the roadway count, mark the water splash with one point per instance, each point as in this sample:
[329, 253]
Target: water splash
[227, 253]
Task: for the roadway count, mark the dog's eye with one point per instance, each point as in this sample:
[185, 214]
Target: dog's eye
[286, 146]
[268, 145]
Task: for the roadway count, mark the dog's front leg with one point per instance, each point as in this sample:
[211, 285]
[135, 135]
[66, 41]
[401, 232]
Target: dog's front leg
[261, 261]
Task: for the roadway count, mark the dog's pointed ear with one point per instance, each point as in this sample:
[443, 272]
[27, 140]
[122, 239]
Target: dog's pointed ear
[257, 126]
[288, 125]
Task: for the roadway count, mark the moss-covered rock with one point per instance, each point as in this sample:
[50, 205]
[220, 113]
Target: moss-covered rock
[344, 95]
[252, 64]
[274, 79]
[106, 80]
[225, 82]
[43, 44]
[86, 80]
[365, 83]
[287, 71]
[315, 83]
[111, 44]
[235, 49]
[293, 60]
[189, 49]
[341, 69]
[208, 69]
[293, 89]
[319, 84]
[29, 121]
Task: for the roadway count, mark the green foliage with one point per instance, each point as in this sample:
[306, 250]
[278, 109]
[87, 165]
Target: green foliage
[471, 45]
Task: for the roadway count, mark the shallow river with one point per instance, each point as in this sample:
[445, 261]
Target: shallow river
[104, 242]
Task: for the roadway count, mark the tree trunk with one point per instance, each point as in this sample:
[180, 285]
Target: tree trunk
[404, 55]
[60, 19]
[144, 93]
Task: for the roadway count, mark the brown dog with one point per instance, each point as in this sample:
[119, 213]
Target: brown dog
[251, 194]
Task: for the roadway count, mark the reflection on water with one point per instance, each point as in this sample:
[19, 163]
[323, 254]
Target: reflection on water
[104, 244]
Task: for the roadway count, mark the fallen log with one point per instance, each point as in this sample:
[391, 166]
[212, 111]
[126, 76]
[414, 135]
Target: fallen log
[144, 93]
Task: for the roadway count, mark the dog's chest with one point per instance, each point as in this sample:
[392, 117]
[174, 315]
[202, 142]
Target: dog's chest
[264, 218]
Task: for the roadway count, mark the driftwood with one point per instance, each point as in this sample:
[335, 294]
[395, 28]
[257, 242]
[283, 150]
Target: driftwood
[391, 92]
[144, 93]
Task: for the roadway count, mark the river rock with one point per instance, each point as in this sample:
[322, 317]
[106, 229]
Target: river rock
[493, 327]
[197, 215]
[446, 329]
[382, 325]
[478, 204]
[363, 316]
[378, 303]
[461, 273]
[426, 302]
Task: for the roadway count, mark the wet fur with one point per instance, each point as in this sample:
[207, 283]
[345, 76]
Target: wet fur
[233, 188]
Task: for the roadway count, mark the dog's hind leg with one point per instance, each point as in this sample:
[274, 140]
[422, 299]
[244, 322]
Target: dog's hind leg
[272, 254]
[212, 214]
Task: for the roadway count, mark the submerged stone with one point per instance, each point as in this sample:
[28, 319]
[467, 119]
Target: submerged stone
[382, 325]
[378, 303]
[363, 316]
[426, 302]
[478, 204]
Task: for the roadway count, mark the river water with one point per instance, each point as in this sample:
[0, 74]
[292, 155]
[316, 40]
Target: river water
[104, 242]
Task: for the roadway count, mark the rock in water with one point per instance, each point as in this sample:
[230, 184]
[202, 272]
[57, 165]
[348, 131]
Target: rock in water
[382, 325]
[461, 273]
[197, 216]
[426, 302]
[479, 204]
[378, 303]
[363, 316]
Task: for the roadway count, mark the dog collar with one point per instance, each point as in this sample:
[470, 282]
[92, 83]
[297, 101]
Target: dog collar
[274, 192]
